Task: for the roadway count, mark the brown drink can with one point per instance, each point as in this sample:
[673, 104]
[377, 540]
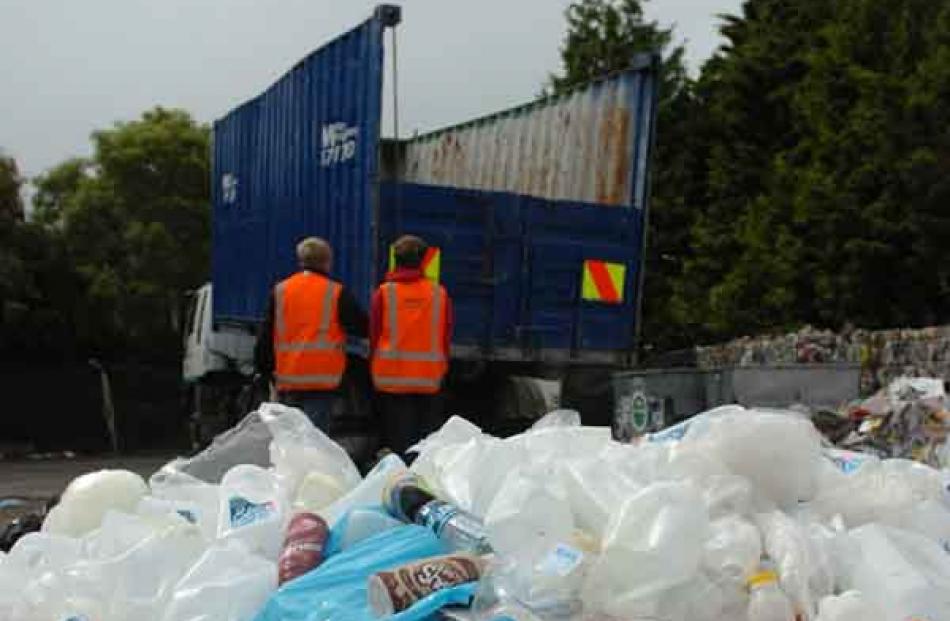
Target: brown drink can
[396, 590]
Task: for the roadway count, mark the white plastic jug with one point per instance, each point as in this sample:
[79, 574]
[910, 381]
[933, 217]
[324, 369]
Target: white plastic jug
[88, 497]
[767, 602]
[252, 510]
[904, 575]
[653, 542]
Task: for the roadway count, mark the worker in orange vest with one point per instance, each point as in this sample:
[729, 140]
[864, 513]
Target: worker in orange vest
[410, 332]
[301, 342]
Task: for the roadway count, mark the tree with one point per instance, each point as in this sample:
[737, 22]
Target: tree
[742, 259]
[11, 204]
[12, 282]
[55, 187]
[603, 36]
[135, 222]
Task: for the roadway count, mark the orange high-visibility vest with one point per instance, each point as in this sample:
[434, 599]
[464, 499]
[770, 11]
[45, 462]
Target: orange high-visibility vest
[409, 358]
[308, 338]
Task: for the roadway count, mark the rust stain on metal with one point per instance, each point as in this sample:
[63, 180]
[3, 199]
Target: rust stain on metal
[578, 147]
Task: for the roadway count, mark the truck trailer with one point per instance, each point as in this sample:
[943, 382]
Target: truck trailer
[535, 216]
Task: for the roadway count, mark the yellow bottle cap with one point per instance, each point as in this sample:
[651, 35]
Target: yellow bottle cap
[761, 577]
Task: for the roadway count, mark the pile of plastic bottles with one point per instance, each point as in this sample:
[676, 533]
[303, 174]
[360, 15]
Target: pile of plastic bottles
[733, 515]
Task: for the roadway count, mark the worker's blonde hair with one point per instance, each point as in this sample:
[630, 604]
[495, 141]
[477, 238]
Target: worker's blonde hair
[314, 253]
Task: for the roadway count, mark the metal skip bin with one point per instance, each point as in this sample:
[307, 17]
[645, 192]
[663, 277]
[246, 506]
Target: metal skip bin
[649, 400]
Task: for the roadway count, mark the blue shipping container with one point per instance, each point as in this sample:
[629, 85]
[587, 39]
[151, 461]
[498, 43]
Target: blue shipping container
[517, 201]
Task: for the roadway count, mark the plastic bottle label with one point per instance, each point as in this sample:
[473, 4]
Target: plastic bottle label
[242, 511]
[562, 560]
[188, 514]
[848, 462]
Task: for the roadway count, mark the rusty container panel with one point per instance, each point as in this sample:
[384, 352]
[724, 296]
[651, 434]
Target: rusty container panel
[590, 146]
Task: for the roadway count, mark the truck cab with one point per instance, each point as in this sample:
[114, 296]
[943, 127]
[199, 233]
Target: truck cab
[217, 368]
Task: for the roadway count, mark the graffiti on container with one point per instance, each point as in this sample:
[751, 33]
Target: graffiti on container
[229, 188]
[338, 143]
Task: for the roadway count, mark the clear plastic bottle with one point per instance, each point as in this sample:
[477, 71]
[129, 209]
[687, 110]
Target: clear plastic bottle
[459, 530]
[407, 498]
[767, 602]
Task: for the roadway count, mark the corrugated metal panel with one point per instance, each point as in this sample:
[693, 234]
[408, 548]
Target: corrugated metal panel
[590, 146]
[512, 264]
[300, 159]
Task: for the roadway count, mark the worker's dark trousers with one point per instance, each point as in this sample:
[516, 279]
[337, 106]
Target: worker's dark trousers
[406, 419]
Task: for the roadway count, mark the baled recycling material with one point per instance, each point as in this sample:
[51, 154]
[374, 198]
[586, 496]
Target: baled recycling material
[735, 514]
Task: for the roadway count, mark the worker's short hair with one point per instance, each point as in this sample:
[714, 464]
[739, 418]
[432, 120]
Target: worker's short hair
[409, 250]
[314, 253]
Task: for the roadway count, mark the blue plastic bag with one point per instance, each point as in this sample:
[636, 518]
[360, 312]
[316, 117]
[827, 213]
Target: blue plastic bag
[353, 528]
[336, 591]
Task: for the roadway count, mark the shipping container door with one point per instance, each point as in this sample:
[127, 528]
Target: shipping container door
[566, 245]
[478, 236]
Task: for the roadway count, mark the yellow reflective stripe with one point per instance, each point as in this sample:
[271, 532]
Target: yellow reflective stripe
[308, 379]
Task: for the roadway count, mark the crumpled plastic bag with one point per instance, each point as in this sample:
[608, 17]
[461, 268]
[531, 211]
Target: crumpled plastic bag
[547, 586]
[878, 491]
[245, 443]
[127, 572]
[698, 424]
[227, 583]
[356, 525]
[32, 556]
[299, 448]
[849, 606]
[336, 590]
[778, 452]
[369, 493]
[468, 468]
[558, 418]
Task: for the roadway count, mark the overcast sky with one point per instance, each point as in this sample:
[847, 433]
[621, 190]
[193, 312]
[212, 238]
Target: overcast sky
[68, 67]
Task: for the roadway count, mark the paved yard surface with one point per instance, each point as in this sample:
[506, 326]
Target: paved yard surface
[41, 479]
